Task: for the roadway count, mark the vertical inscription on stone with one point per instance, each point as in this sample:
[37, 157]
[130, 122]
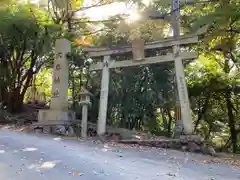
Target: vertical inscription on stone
[59, 92]
[59, 55]
[58, 67]
[182, 89]
[56, 93]
[56, 80]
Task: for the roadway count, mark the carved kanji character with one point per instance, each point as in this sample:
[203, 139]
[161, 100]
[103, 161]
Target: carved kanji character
[56, 80]
[58, 67]
[59, 55]
[56, 93]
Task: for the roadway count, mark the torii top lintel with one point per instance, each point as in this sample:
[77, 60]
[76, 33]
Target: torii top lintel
[187, 39]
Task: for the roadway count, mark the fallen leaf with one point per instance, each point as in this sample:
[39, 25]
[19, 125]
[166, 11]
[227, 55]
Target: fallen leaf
[77, 173]
[222, 161]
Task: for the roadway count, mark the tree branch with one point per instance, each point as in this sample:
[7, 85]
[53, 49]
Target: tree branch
[99, 4]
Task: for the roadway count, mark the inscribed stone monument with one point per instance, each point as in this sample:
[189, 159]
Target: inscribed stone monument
[59, 100]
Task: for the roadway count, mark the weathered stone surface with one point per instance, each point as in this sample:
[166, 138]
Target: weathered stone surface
[211, 151]
[175, 145]
[191, 144]
[184, 148]
[60, 130]
[193, 147]
[70, 131]
[195, 138]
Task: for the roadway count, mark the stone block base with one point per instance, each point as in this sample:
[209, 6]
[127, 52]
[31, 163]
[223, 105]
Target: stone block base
[51, 115]
[57, 115]
[191, 144]
[178, 129]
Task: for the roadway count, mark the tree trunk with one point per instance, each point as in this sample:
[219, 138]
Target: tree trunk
[165, 122]
[16, 96]
[14, 101]
[202, 111]
[207, 136]
[169, 121]
[231, 120]
[3, 94]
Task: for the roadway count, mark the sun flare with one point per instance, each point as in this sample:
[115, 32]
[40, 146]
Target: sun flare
[106, 11]
[133, 16]
[102, 12]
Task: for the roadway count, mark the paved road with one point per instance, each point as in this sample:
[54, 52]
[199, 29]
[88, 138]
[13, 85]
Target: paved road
[37, 157]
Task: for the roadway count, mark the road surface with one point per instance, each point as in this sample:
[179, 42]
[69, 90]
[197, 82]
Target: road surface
[37, 157]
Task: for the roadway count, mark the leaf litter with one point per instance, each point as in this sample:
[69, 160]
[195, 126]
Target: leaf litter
[227, 161]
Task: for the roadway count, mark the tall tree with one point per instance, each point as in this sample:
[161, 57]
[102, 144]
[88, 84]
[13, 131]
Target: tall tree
[25, 43]
[221, 45]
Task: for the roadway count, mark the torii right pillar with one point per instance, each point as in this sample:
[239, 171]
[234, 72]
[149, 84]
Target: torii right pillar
[184, 112]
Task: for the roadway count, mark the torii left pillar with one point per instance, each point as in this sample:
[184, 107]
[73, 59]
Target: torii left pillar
[102, 116]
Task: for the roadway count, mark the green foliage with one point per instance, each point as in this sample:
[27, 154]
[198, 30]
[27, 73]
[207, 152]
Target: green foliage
[25, 48]
[214, 78]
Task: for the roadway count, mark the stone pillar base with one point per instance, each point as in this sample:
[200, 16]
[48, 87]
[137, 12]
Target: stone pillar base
[53, 115]
[57, 115]
[178, 129]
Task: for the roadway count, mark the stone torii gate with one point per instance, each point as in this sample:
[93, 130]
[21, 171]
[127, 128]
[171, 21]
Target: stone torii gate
[138, 47]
